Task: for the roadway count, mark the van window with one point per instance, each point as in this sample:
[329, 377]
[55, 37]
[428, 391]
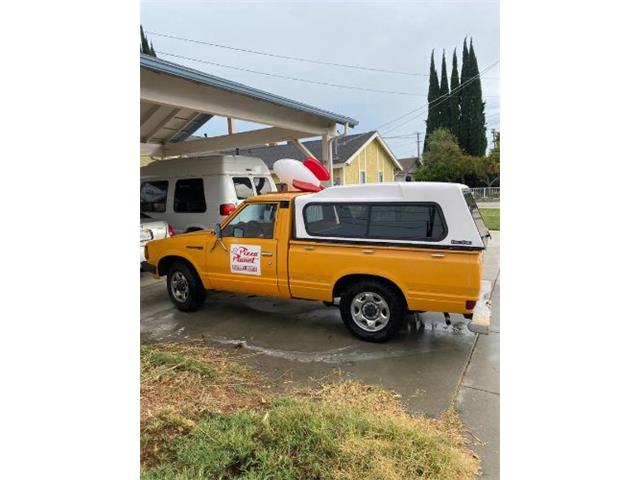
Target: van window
[153, 196]
[262, 185]
[189, 196]
[254, 221]
[407, 222]
[477, 216]
[336, 220]
[393, 221]
[243, 187]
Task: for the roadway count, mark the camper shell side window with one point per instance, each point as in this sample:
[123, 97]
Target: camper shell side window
[398, 221]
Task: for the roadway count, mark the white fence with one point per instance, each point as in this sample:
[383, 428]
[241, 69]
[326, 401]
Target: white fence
[486, 192]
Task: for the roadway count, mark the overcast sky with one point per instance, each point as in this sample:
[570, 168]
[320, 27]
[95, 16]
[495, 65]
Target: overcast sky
[379, 34]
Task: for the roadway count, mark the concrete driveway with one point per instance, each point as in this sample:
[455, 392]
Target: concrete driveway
[301, 342]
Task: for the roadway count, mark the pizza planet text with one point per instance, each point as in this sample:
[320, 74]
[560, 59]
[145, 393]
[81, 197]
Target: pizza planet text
[245, 259]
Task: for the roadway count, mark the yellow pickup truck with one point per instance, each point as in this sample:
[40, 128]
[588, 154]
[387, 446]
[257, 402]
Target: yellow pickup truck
[379, 251]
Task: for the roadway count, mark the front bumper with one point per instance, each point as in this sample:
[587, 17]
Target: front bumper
[147, 267]
[481, 318]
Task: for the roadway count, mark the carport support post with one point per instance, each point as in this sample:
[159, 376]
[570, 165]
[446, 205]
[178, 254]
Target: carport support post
[327, 157]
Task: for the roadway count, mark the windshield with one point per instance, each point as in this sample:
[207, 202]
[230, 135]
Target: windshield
[477, 216]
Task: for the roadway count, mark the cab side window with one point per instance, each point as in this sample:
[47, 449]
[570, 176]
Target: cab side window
[253, 221]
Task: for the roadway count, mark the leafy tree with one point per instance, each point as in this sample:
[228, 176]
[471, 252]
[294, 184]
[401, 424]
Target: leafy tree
[432, 95]
[491, 164]
[454, 100]
[444, 161]
[145, 45]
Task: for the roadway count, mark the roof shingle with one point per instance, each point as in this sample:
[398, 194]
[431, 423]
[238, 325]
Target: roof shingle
[343, 149]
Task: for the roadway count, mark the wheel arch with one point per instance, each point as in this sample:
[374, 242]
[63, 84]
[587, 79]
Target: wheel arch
[343, 282]
[165, 263]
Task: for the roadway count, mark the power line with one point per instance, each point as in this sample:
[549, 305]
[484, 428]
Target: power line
[426, 106]
[305, 80]
[438, 100]
[445, 96]
[288, 57]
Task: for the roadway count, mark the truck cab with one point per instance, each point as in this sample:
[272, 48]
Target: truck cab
[378, 251]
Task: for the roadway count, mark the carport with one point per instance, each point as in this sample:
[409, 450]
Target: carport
[175, 101]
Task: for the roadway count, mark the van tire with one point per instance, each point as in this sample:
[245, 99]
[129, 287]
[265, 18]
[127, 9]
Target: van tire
[184, 287]
[385, 301]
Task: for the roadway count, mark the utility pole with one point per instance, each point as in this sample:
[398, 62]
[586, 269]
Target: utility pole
[418, 146]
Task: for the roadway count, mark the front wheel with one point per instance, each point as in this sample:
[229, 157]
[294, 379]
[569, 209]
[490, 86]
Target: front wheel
[372, 310]
[184, 287]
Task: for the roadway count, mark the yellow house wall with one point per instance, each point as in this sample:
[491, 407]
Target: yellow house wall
[371, 159]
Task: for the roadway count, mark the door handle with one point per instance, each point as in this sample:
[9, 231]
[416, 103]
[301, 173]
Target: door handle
[267, 254]
[309, 248]
[368, 250]
[438, 255]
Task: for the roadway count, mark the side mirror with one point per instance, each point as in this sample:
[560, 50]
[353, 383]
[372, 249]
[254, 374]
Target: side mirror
[218, 232]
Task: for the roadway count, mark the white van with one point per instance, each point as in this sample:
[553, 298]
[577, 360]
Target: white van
[198, 192]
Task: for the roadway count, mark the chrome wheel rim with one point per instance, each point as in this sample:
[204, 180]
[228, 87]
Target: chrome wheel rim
[179, 287]
[370, 311]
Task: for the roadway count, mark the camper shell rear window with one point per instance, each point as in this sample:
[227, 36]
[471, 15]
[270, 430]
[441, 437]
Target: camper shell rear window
[477, 216]
[372, 220]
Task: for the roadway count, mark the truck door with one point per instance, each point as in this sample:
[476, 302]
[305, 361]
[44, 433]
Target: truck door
[247, 259]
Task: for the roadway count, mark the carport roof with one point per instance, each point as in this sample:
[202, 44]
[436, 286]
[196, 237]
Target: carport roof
[169, 68]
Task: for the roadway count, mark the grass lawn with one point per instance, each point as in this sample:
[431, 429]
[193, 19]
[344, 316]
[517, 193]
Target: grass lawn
[491, 217]
[206, 415]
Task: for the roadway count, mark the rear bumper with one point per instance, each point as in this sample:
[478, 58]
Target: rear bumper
[481, 319]
[147, 267]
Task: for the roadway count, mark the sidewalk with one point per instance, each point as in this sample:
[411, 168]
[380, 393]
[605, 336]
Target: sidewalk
[478, 399]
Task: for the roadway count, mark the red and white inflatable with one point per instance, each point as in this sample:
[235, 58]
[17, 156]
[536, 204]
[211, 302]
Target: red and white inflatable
[304, 176]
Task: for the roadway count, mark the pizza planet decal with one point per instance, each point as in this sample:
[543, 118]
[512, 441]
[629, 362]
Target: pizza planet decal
[245, 259]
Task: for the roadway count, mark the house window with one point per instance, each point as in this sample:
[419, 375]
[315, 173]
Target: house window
[363, 176]
[380, 176]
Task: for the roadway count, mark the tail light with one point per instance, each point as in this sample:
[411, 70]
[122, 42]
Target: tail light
[171, 231]
[227, 208]
[470, 304]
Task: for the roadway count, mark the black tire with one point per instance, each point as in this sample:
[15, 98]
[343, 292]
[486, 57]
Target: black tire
[391, 301]
[188, 294]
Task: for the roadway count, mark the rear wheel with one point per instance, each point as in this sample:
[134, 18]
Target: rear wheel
[372, 310]
[184, 287]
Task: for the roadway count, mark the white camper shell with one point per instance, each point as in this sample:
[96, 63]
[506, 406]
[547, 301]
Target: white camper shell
[434, 214]
[197, 193]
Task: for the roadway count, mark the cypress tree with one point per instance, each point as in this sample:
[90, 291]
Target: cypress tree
[145, 46]
[464, 126]
[433, 94]
[454, 100]
[443, 102]
[477, 135]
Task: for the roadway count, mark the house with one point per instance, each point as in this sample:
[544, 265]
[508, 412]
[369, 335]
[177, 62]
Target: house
[357, 158]
[409, 168]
